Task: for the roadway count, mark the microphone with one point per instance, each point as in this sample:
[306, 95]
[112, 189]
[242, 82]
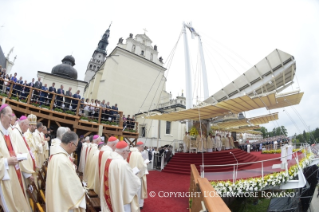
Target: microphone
[237, 163]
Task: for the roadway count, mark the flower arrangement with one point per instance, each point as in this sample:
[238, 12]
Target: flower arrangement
[276, 151]
[257, 183]
[93, 120]
[193, 132]
[70, 112]
[15, 98]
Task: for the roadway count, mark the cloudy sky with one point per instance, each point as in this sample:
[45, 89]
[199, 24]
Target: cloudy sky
[235, 34]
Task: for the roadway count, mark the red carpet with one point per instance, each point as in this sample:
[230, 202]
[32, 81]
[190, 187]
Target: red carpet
[180, 163]
[166, 182]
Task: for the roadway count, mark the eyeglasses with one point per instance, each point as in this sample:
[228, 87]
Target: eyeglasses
[75, 145]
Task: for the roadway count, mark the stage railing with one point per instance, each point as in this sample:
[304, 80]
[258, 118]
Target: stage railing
[262, 169]
[202, 195]
[62, 103]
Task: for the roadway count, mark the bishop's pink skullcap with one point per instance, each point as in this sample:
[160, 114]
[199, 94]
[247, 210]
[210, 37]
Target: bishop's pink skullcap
[101, 143]
[23, 118]
[96, 137]
[3, 106]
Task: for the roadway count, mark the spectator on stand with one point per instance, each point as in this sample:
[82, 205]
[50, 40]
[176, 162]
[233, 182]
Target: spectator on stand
[43, 95]
[53, 90]
[86, 108]
[59, 98]
[97, 109]
[36, 93]
[67, 101]
[103, 106]
[114, 112]
[18, 87]
[108, 112]
[75, 102]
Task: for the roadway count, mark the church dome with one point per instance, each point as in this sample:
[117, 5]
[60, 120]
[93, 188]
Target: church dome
[66, 69]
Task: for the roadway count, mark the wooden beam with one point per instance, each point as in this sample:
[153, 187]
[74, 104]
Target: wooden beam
[58, 123]
[40, 119]
[86, 134]
[52, 102]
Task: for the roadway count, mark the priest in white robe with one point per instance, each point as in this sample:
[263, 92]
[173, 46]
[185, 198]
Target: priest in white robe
[209, 143]
[218, 142]
[12, 193]
[136, 159]
[103, 155]
[89, 168]
[39, 140]
[187, 141]
[35, 147]
[64, 191]
[83, 154]
[28, 167]
[46, 145]
[119, 185]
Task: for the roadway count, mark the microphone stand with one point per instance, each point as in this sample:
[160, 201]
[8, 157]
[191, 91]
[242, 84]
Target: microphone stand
[237, 164]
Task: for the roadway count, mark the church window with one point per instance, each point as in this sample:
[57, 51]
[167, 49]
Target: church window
[151, 57]
[133, 48]
[168, 127]
[90, 66]
[98, 67]
[143, 131]
[142, 52]
[94, 67]
[99, 55]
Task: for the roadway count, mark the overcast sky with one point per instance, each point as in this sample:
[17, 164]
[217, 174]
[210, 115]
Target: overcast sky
[239, 33]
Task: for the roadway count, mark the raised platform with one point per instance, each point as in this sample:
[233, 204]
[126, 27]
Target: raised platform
[180, 163]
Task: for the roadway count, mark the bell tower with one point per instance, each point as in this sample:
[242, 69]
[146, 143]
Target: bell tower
[98, 56]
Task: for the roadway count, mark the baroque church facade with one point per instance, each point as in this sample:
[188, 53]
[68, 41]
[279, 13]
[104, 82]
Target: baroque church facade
[132, 76]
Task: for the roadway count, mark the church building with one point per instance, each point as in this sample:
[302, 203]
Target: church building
[129, 76]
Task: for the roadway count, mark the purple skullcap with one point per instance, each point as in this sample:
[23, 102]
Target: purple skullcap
[3, 106]
[101, 143]
[23, 118]
[96, 137]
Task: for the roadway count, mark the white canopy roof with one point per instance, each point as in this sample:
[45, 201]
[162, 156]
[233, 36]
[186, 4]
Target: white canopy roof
[273, 73]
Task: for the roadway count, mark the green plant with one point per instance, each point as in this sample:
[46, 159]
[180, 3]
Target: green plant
[15, 98]
[113, 123]
[3, 94]
[58, 110]
[84, 118]
[70, 112]
[45, 106]
[23, 100]
[35, 104]
[93, 120]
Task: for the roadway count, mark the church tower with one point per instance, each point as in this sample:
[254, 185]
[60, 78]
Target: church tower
[98, 56]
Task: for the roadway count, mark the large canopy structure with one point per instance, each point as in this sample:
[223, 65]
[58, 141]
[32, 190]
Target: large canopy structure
[232, 106]
[273, 73]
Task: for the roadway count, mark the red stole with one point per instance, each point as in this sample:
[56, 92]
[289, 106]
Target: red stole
[100, 158]
[129, 157]
[106, 185]
[86, 153]
[13, 154]
[26, 143]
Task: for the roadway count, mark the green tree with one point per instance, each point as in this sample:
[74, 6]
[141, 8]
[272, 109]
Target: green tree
[264, 131]
[284, 130]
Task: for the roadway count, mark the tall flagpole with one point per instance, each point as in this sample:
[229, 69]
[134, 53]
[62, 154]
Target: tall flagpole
[189, 92]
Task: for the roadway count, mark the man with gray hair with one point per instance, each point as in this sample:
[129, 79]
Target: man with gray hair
[57, 141]
[40, 140]
[64, 191]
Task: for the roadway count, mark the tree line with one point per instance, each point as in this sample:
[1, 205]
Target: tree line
[308, 137]
[277, 131]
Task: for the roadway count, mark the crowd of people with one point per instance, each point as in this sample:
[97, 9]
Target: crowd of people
[64, 100]
[267, 143]
[112, 170]
[213, 142]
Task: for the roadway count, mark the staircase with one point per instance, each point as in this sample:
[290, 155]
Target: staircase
[180, 162]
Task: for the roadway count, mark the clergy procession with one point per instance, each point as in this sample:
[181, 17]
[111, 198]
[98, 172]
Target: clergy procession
[38, 175]
[213, 142]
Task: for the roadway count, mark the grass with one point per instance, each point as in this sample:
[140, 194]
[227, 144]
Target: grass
[249, 204]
